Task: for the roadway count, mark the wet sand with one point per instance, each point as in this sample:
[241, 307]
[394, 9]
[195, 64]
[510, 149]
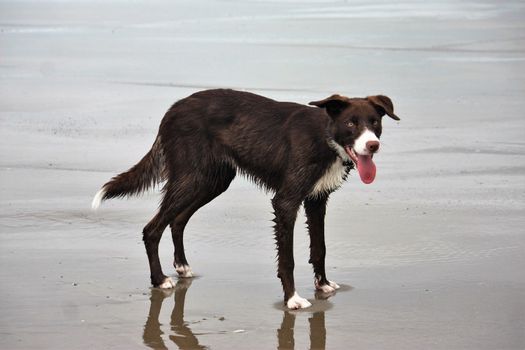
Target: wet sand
[429, 256]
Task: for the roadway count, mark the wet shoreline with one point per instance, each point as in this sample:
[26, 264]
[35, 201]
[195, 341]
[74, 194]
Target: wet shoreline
[430, 256]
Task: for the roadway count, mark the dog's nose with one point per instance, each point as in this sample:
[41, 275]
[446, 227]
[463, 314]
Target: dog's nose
[372, 146]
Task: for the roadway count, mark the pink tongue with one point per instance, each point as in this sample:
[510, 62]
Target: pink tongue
[366, 168]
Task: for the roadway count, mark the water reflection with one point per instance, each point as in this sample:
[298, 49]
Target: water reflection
[285, 334]
[181, 335]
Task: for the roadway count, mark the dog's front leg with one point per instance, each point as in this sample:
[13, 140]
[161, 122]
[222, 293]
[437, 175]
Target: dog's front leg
[285, 214]
[315, 209]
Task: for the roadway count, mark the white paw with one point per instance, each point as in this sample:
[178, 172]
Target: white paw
[296, 302]
[184, 271]
[167, 284]
[333, 285]
[326, 288]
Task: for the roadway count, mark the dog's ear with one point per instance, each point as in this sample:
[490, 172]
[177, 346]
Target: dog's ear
[384, 104]
[333, 104]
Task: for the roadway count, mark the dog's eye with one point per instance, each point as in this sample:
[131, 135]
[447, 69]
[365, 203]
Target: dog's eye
[375, 123]
[350, 124]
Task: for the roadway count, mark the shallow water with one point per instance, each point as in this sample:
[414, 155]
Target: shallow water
[429, 256]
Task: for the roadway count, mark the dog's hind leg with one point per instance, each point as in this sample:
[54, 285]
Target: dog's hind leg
[208, 188]
[177, 233]
[178, 195]
[315, 209]
[151, 236]
[286, 204]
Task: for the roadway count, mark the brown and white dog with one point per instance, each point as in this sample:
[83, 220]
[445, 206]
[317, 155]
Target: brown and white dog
[300, 153]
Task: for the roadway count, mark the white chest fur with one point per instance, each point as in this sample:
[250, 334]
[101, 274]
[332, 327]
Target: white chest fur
[334, 176]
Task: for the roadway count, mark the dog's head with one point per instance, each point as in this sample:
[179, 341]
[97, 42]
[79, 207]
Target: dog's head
[357, 128]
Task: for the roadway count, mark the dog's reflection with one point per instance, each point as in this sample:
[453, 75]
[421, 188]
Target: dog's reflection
[184, 338]
[316, 321]
[285, 334]
[182, 335]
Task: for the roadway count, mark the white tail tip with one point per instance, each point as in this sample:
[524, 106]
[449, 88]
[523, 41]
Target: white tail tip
[98, 199]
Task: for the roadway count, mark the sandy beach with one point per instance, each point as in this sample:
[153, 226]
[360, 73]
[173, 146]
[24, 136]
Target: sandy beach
[429, 256]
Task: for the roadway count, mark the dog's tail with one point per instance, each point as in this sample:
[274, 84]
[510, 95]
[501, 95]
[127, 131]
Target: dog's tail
[143, 175]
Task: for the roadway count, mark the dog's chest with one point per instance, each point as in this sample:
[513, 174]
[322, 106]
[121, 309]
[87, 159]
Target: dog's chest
[332, 179]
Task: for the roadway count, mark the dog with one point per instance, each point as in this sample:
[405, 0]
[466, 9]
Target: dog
[300, 153]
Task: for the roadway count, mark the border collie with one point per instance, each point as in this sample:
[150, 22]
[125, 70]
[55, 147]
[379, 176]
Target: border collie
[300, 153]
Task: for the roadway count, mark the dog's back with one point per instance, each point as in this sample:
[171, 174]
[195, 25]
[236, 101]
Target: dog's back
[256, 135]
